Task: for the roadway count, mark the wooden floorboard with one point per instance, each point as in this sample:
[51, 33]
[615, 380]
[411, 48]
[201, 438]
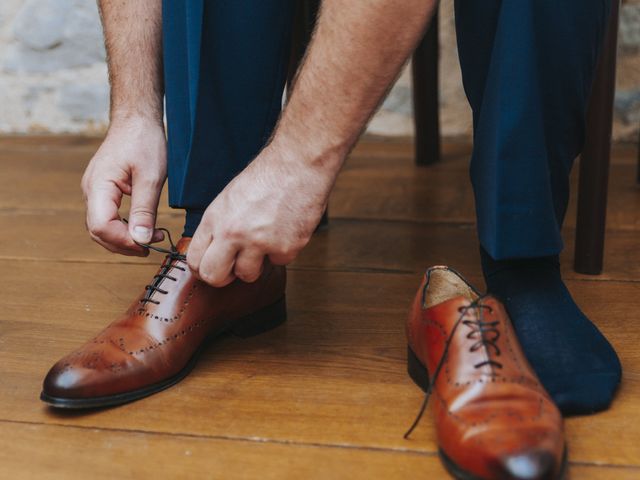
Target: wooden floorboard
[126, 454]
[326, 395]
[335, 374]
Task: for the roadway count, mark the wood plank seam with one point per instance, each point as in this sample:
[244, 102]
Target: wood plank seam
[264, 440]
[252, 440]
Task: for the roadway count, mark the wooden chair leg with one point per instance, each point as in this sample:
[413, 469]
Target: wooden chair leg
[426, 97]
[594, 162]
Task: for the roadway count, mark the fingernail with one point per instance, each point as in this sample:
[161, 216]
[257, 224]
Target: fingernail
[142, 234]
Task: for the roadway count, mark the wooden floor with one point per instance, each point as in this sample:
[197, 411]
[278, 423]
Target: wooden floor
[324, 397]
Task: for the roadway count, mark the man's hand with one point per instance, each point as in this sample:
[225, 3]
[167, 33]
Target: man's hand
[271, 209]
[273, 206]
[131, 161]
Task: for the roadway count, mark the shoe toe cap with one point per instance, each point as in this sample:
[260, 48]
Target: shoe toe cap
[65, 381]
[85, 375]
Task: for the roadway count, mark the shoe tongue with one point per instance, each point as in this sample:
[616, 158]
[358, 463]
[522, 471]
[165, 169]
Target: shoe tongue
[183, 244]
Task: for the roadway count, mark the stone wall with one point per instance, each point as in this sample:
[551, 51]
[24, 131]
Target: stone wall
[53, 77]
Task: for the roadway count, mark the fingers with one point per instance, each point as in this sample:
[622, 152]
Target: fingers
[199, 244]
[158, 236]
[145, 195]
[249, 265]
[286, 252]
[216, 266]
[104, 224]
[112, 248]
[213, 262]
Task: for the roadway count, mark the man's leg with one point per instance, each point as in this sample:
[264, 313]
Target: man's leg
[527, 68]
[225, 71]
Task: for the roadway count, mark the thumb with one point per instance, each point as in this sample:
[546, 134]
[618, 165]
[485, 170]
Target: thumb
[145, 196]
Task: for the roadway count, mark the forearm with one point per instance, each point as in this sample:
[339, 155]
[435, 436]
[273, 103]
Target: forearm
[133, 40]
[355, 55]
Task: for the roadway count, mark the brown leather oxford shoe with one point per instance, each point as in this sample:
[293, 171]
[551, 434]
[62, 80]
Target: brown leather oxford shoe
[493, 418]
[155, 343]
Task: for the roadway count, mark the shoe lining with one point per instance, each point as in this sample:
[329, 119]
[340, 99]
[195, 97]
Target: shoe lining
[444, 284]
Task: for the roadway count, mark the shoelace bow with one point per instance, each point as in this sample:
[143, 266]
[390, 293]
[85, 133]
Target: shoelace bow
[480, 331]
[173, 255]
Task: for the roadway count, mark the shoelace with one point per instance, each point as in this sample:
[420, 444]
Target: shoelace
[173, 255]
[479, 333]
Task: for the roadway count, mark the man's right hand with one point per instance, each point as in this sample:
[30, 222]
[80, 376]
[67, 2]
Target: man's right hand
[132, 160]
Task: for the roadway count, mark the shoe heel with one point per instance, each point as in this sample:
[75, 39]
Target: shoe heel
[417, 371]
[261, 321]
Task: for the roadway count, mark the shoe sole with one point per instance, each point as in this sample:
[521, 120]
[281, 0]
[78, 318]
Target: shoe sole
[420, 376]
[251, 325]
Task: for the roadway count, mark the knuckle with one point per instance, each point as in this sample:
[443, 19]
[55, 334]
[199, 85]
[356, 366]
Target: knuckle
[103, 244]
[232, 233]
[97, 230]
[288, 249]
[142, 211]
[84, 188]
[260, 241]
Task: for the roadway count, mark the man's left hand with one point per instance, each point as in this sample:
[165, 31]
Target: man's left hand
[269, 210]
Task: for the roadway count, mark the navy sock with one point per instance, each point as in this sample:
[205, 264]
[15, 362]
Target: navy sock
[192, 220]
[574, 361]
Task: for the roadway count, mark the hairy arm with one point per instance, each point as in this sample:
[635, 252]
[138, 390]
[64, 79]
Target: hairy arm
[133, 40]
[273, 206]
[132, 158]
[355, 55]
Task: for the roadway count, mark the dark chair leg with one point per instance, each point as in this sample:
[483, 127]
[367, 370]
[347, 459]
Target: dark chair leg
[638, 174]
[594, 162]
[426, 96]
[324, 221]
[303, 25]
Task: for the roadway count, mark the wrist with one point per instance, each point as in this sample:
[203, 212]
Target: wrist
[126, 117]
[302, 150]
[134, 121]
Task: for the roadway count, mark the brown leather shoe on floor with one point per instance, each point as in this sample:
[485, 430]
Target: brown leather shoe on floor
[155, 343]
[493, 418]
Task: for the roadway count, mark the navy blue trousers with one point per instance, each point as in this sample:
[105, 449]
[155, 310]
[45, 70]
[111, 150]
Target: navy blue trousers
[225, 64]
[527, 69]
